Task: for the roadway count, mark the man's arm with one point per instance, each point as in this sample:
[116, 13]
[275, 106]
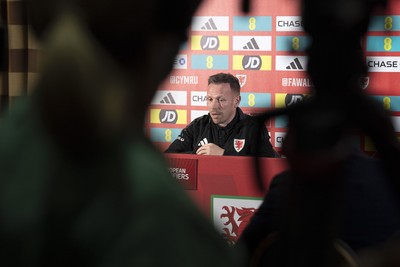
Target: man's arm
[265, 148]
[183, 143]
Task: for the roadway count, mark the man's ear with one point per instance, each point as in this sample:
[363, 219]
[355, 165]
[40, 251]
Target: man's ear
[238, 99]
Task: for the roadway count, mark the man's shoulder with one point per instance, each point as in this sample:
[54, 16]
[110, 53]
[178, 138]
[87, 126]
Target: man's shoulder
[202, 120]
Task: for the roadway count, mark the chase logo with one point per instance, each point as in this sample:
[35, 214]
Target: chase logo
[164, 134]
[216, 23]
[255, 23]
[383, 43]
[383, 64]
[384, 23]
[256, 100]
[279, 136]
[286, 100]
[220, 43]
[210, 62]
[198, 98]
[170, 98]
[252, 43]
[168, 116]
[291, 63]
[292, 43]
[251, 62]
[180, 62]
[289, 23]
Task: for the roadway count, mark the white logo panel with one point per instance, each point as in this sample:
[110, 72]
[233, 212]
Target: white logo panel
[279, 136]
[194, 114]
[291, 63]
[252, 43]
[206, 23]
[180, 62]
[383, 64]
[171, 98]
[289, 23]
[198, 98]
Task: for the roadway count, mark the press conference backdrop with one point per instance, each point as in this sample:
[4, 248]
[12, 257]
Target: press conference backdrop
[266, 51]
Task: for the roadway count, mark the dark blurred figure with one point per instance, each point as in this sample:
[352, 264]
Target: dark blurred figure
[331, 183]
[323, 194]
[80, 185]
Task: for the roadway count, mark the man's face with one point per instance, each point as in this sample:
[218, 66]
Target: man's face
[222, 103]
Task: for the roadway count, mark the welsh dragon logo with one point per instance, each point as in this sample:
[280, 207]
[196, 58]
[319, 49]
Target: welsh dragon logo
[237, 221]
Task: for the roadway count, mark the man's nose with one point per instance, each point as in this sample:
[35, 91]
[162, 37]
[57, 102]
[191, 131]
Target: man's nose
[214, 104]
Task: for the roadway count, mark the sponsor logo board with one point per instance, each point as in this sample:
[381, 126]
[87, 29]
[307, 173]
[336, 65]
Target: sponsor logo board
[285, 100]
[180, 62]
[251, 62]
[194, 114]
[291, 63]
[383, 43]
[384, 23]
[164, 134]
[170, 98]
[383, 64]
[252, 43]
[289, 23]
[256, 100]
[168, 116]
[198, 98]
[210, 62]
[206, 23]
[252, 23]
[202, 42]
[279, 136]
[292, 43]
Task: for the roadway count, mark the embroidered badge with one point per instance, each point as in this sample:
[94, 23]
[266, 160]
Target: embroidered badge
[238, 144]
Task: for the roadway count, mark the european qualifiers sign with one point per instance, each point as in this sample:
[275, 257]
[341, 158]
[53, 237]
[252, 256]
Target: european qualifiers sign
[184, 171]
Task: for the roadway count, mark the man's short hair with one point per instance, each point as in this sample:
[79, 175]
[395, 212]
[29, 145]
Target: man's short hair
[225, 78]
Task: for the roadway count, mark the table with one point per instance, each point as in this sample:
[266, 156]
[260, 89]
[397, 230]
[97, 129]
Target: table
[225, 187]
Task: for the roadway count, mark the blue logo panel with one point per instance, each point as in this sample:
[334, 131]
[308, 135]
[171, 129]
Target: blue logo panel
[164, 134]
[384, 23]
[255, 100]
[383, 43]
[210, 62]
[391, 103]
[292, 43]
[255, 23]
[281, 122]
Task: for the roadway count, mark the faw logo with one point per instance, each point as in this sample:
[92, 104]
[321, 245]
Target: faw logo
[231, 214]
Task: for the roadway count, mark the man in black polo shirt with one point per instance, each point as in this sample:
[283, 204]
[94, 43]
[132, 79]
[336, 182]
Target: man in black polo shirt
[225, 130]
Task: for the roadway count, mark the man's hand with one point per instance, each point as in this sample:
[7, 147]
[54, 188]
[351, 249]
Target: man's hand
[210, 149]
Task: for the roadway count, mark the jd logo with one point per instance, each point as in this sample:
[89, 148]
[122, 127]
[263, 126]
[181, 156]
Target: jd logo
[168, 116]
[251, 62]
[209, 43]
[291, 99]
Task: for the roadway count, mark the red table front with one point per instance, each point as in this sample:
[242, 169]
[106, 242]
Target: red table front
[225, 187]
